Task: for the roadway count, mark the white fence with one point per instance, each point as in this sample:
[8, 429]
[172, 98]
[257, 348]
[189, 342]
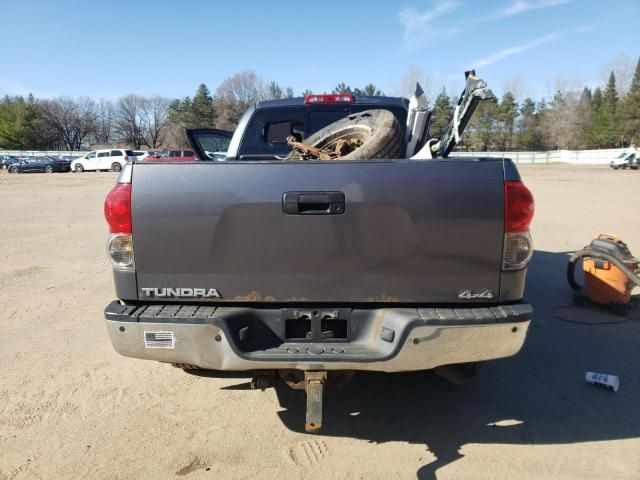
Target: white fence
[585, 157]
[580, 157]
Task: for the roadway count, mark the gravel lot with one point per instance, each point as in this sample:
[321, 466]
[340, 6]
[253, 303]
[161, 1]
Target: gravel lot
[70, 407]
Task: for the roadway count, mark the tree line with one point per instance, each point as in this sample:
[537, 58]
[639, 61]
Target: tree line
[136, 121]
[571, 119]
[605, 117]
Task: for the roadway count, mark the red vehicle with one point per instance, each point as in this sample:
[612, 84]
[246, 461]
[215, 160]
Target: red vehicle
[172, 156]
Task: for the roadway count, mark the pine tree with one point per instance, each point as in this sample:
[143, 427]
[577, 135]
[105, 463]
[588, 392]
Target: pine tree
[630, 111]
[507, 113]
[602, 132]
[610, 96]
[180, 112]
[529, 137]
[368, 90]
[442, 113]
[342, 88]
[584, 113]
[482, 127]
[596, 99]
[17, 122]
[203, 114]
[194, 113]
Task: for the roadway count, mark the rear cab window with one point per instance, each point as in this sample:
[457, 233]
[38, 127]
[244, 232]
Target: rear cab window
[266, 135]
[267, 132]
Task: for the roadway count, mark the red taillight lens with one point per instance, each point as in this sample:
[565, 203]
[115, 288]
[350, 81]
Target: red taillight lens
[518, 207]
[330, 98]
[117, 208]
[126, 159]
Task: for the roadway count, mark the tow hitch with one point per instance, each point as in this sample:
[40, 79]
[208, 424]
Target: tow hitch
[314, 383]
[314, 387]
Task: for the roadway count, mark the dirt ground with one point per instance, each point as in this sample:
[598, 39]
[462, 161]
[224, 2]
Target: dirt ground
[70, 407]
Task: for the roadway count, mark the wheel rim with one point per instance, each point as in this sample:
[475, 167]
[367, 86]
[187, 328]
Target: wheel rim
[356, 132]
[48, 169]
[116, 167]
[78, 168]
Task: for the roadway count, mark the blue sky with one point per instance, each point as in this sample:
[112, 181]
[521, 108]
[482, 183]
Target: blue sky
[112, 48]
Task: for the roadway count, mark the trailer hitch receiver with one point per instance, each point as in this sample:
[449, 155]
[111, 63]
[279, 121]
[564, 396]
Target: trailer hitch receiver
[314, 387]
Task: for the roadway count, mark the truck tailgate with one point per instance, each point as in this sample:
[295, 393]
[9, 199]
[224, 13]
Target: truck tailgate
[411, 231]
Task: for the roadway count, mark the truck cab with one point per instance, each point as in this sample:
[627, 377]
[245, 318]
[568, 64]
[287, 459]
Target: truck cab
[264, 128]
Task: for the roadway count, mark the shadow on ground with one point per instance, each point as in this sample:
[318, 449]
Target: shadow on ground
[536, 397]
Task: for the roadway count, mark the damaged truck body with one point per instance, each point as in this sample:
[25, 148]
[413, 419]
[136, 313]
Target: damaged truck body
[264, 257]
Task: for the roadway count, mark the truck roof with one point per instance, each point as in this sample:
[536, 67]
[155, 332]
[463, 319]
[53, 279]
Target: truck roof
[360, 100]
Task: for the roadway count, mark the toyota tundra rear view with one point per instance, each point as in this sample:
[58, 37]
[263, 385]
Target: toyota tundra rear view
[298, 268]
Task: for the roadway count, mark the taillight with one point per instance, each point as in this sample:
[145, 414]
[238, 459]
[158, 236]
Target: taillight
[518, 207]
[126, 159]
[117, 211]
[518, 212]
[330, 98]
[117, 208]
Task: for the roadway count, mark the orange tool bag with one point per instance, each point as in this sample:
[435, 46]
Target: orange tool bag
[610, 270]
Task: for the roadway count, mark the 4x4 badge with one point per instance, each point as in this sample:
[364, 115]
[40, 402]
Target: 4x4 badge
[469, 295]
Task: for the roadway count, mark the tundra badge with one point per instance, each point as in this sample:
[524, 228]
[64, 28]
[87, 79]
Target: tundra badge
[181, 292]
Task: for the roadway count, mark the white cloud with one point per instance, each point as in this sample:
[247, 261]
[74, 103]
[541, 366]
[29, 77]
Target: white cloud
[508, 52]
[423, 28]
[521, 6]
[419, 26]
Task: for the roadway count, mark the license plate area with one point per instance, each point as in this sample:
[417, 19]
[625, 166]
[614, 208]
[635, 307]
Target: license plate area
[316, 325]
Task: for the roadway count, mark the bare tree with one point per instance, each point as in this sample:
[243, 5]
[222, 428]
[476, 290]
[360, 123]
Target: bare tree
[407, 85]
[71, 121]
[514, 84]
[128, 120]
[154, 120]
[559, 124]
[274, 90]
[235, 94]
[565, 82]
[104, 123]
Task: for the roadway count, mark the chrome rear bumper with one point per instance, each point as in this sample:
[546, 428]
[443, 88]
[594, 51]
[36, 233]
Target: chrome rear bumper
[386, 339]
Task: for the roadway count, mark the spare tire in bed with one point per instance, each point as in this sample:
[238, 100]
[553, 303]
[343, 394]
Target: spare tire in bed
[378, 130]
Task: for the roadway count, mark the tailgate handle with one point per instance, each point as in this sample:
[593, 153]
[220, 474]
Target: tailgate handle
[313, 203]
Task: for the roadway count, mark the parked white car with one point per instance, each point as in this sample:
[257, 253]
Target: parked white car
[107, 159]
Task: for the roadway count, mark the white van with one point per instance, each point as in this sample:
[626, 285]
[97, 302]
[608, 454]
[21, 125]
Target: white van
[625, 160]
[107, 159]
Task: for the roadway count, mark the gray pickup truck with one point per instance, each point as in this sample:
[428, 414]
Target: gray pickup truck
[309, 270]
